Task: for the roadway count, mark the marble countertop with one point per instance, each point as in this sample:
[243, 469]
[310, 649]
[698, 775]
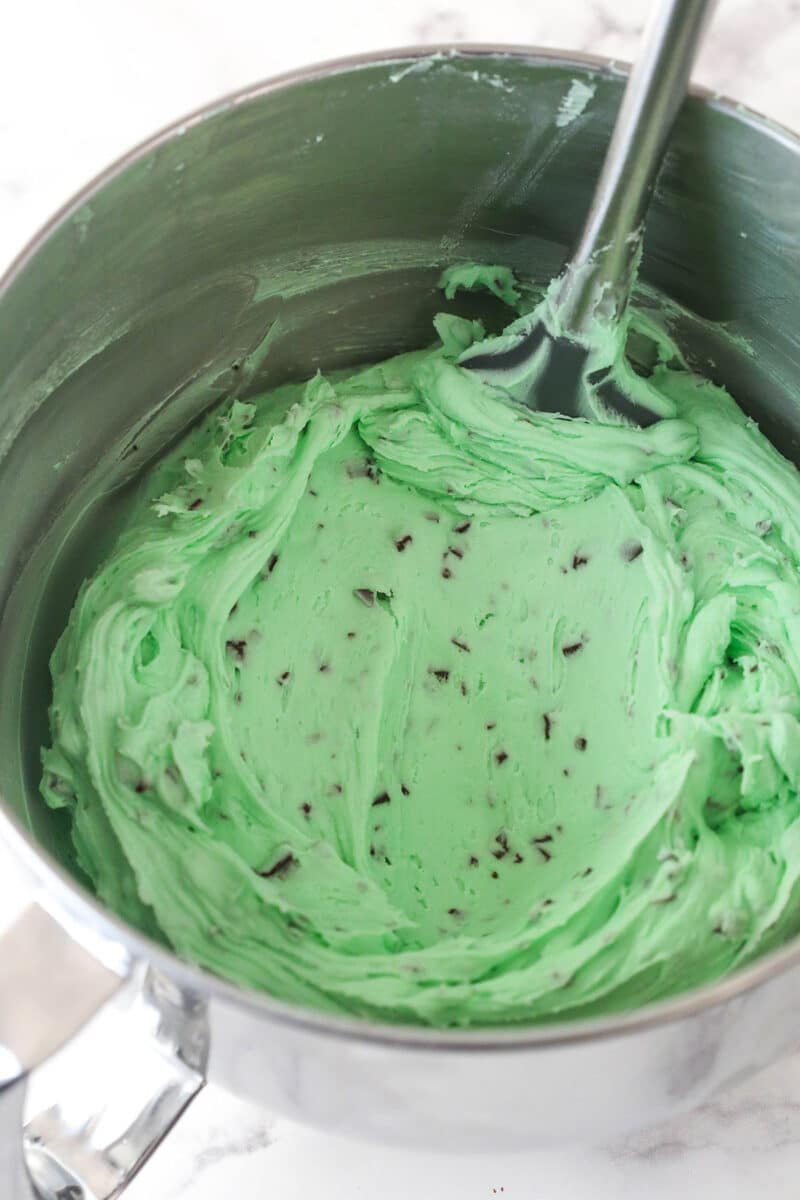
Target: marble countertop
[81, 83]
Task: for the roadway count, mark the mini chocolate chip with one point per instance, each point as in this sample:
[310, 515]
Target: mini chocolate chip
[404, 790]
[631, 550]
[252, 533]
[464, 527]
[545, 837]
[365, 595]
[305, 809]
[463, 688]
[500, 757]
[351, 635]
[571, 648]
[281, 868]
[323, 667]
[282, 679]
[454, 912]
[440, 672]
[236, 649]
[455, 550]
[580, 743]
[461, 645]
[491, 725]
[272, 562]
[548, 726]
[195, 504]
[404, 541]
[384, 798]
[546, 855]
[495, 875]
[447, 573]
[518, 858]
[473, 861]
[141, 786]
[579, 560]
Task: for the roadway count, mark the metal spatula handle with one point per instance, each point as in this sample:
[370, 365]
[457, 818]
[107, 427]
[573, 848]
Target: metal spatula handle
[602, 268]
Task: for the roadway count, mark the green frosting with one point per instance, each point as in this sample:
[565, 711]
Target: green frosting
[397, 699]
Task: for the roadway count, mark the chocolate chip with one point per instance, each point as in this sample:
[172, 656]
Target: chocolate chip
[384, 798]
[547, 721]
[580, 743]
[579, 560]
[472, 861]
[195, 504]
[631, 550]
[571, 648]
[236, 649]
[365, 595]
[282, 679]
[447, 573]
[455, 912]
[461, 645]
[323, 668]
[441, 673]
[351, 634]
[404, 541]
[500, 757]
[454, 550]
[432, 517]
[495, 875]
[142, 786]
[404, 790]
[281, 868]
[490, 725]
[272, 562]
[464, 527]
[546, 855]
[305, 809]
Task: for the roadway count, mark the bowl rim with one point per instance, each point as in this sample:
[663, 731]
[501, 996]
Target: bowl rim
[120, 945]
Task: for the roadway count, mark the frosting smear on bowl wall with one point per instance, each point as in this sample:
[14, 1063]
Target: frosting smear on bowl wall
[397, 699]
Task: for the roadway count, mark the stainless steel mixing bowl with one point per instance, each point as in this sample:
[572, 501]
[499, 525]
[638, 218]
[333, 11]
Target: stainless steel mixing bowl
[302, 224]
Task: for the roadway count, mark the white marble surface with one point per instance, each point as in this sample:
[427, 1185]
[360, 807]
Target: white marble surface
[80, 82]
